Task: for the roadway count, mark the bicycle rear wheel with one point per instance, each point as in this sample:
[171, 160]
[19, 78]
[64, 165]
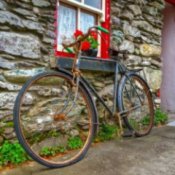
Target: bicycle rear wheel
[136, 105]
[53, 123]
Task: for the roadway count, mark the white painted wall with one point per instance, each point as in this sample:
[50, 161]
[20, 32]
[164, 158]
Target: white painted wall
[168, 59]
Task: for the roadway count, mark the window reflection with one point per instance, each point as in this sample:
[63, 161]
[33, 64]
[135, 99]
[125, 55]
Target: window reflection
[94, 3]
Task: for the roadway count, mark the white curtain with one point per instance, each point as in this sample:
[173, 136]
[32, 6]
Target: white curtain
[67, 21]
[87, 21]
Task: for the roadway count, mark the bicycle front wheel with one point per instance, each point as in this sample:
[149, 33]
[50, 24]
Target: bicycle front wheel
[54, 124]
[135, 104]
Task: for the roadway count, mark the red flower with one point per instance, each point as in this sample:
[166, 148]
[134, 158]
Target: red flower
[85, 45]
[158, 93]
[94, 35]
[78, 33]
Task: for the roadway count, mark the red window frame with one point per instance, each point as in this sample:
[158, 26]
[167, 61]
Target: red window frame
[105, 40]
[171, 1]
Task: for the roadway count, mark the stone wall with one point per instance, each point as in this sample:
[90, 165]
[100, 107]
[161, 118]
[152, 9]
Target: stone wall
[27, 38]
[137, 26]
[26, 42]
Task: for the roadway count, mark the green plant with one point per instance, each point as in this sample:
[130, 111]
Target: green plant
[74, 143]
[145, 121]
[38, 137]
[9, 124]
[160, 117]
[47, 151]
[106, 132]
[52, 151]
[12, 153]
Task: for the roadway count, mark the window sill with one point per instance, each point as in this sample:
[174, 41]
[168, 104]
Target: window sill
[88, 63]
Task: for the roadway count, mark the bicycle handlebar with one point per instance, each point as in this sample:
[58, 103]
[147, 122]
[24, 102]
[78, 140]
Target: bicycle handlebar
[80, 39]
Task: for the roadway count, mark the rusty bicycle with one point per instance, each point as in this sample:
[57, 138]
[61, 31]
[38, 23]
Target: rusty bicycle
[55, 115]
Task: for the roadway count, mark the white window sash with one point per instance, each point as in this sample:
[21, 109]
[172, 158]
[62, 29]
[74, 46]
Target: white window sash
[88, 8]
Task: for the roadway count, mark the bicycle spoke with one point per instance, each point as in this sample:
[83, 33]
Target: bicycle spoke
[137, 106]
[56, 124]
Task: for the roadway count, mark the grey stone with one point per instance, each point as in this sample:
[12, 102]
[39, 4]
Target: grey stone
[7, 57]
[4, 114]
[154, 78]
[8, 118]
[2, 78]
[145, 26]
[7, 100]
[134, 60]
[9, 87]
[118, 36]
[157, 22]
[5, 64]
[28, 99]
[107, 91]
[11, 19]
[36, 10]
[151, 10]
[20, 45]
[22, 5]
[2, 124]
[127, 46]
[136, 10]
[4, 28]
[23, 11]
[127, 15]
[158, 5]
[48, 40]
[98, 84]
[21, 75]
[31, 25]
[130, 30]
[16, 21]
[51, 34]
[74, 133]
[2, 5]
[8, 130]
[41, 3]
[10, 136]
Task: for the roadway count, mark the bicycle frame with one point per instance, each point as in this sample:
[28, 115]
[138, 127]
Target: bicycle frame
[119, 69]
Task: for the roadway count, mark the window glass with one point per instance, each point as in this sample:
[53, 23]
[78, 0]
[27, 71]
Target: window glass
[94, 3]
[67, 20]
[87, 20]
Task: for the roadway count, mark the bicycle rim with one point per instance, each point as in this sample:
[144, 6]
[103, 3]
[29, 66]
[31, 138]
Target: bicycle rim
[54, 125]
[136, 105]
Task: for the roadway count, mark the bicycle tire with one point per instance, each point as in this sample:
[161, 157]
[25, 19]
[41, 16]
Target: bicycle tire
[133, 92]
[23, 121]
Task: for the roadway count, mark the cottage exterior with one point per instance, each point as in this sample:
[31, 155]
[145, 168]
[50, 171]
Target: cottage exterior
[27, 40]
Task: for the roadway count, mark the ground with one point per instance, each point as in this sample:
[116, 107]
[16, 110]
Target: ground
[150, 155]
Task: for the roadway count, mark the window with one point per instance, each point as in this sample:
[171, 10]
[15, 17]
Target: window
[86, 21]
[96, 3]
[77, 14]
[67, 22]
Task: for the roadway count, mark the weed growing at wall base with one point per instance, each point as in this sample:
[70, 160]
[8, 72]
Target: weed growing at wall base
[12, 153]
